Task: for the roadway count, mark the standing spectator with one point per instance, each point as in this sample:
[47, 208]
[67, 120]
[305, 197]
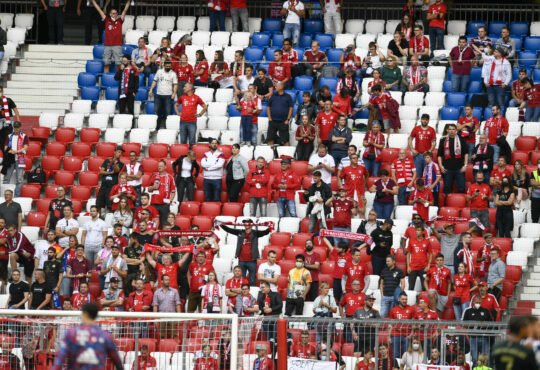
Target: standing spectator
[425, 138]
[270, 271]
[405, 27]
[128, 78]
[504, 201]
[438, 284]
[56, 207]
[398, 48]
[404, 175]
[313, 264]
[332, 16]
[93, 235]
[435, 358]
[239, 13]
[355, 270]
[382, 238]
[488, 300]
[167, 267]
[498, 77]
[482, 158]
[325, 122]
[517, 90]
[415, 77]
[18, 291]
[186, 170]
[271, 305]
[314, 60]
[467, 126]
[211, 294]
[279, 111]
[52, 268]
[40, 295]
[521, 181]
[134, 172]
[144, 360]
[217, 9]
[391, 74]
[421, 199]
[298, 287]
[322, 96]
[279, 69]
[476, 313]
[317, 196]
[213, 163]
[141, 59]
[463, 253]
[233, 287]
[350, 303]
[188, 117]
[419, 47]
[237, 171]
[531, 101]
[166, 81]
[419, 257]
[7, 111]
[464, 284]
[14, 162]
[374, 143]
[257, 182]
[436, 15]
[184, 72]
[535, 193]
[292, 11]
[400, 335]
[11, 211]
[91, 17]
[369, 225]
[113, 33]
[506, 43]
[114, 267]
[305, 137]
[55, 10]
[264, 86]
[164, 189]
[109, 171]
[166, 298]
[286, 183]
[340, 257]
[364, 335]
[353, 181]
[432, 177]
[453, 158]
[340, 138]
[461, 58]
[384, 188]
[483, 257]
[66, 227]
[346, 161]
[322, 162]
[478, 196]
[303, 349]
[246, 304]
[496, 273]
[197, 273]
[323, 306]
[248, 129]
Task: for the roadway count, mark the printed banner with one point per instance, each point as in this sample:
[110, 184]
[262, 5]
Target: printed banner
[192, 233]
[294, 363]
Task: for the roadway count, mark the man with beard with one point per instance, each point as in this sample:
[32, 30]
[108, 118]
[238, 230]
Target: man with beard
[364, 335]
[53, 271]
[56, 207]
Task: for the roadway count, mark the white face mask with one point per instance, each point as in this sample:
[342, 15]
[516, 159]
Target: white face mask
[323, 358]
[416, 346]
[477, 305]
[299, 265]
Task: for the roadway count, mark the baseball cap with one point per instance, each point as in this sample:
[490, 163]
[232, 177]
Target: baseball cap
[370, 296]
[114, 280]
[389, 221]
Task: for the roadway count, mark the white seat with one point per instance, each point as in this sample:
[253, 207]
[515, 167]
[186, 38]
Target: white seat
[25, 202]
[514, 128]
[450, 41]
[225, 95]
[372, 282]
[435, 98]
[411, 296]
[286, 151]
[82, 106]
[172, 123]
[234, 123]
[247, 152]
[264, 151]
[145, 23]
[365, 83]
[517, 258]
[176, 36]
[531, 129]
[115, 135]
[123, 121]
[407, 126]
[230, 137]
[203, 24]
[201, 121]
[6, 20]
[403, 212]
[98, 120]
[512, 114]
[254, 24]
[16, 35]
[129, 23]
[24, 20]
[140, 135]
[10, 50]
[361, 53]
[408, 112]
[31, 232]
[344, 39]
[433, 112]
[354, 26]
[147, 121]
[398, 141]
[229, 52]
[391, 25]
[74, 120]
[165, 23]
[457, 28]
[166, 136]
[529, 230]
[209, 51]
[220, 38]
[207, 134]
[162, 358]
[535, 28]
[435, 85]
[49, 120]
[436, 72]
[106, 106]
[365, 39]
[154, 37]
[240, 39]
[523, 245]
[186, 23]
[217, 109]
[413, 98]
[384, 39]
[262, 124]
[205, 93]
[289, 224]
[375, 26]
[132, 36]
[228, 24]
[218, 123]
[397, 95]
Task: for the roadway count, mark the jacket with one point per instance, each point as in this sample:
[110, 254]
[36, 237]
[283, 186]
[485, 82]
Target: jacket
[261, 177]
[276, 303]
[481, 159]
[212, 164]
[239, 167]
[288, 178]
[362, 228]
[308, 110]
[393, 112]
[473, 314]
[133, 81]
[326, 193]
[177, 168]
[241, 234]
[345, 133]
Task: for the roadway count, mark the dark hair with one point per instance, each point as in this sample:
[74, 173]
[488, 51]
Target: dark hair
[384, 172]
[317, 173]
[403, 294]
[91, 310]
[165, 275]
[516, 323]
[265, 283]
[482, 27]
[306, 93]
[279, 51]
[263, 70]
[237, 146]
[425, 116]
[392, 257]
[353, 146]
[241, 52]
[428, 154]
[376, 87]
[244, 285]
[83, 282]
[420, 182]
[462, 38]
[94, 207]
[372, 44]
[343, 245]
[496, 105]
[273, 252]
[439, 255]
[201, 253]
[145, 195]
[300, 257]
[525, 80]
[248, 66]
[419, 26]
[287, 40]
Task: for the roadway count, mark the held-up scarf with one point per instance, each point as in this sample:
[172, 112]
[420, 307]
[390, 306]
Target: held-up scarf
[379, 140]
[5, 108]
[458, 219]
[480, 165]
[212, 295]
[499, 79]
[429, 175]
[268, 224]
[457, 148]
[157, 248]
[348, 235]
[180, 233]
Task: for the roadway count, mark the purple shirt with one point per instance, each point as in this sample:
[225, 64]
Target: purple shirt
[386, 198]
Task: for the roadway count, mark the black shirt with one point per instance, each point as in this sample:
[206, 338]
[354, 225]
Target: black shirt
[383, 242]
[52, 270]
[133, 252]
[263, 87]
[504, 196]
[110, 180]
[513, 356]
[473, 314]
[16, 292]
[143, 239]
[10, 213]
[393, 46]
[392, 279]
[56, 208]
[452, 163]
[39, 293]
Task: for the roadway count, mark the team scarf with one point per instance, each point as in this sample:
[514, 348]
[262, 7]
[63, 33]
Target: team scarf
[193, 233]
[268, 224]
[145, 54]
[457, 148]
[429, 174]
[480, 165]
[20, 144]
[166, 184]
[212, 294]
[475, 220]
[468, 259]
[157, 248]
[125, 80]
[499, 80]
[261, 363]
[379, 140]
[415, 74]
[419, 44]
[5, 108]
[461, 52]
[348, 235]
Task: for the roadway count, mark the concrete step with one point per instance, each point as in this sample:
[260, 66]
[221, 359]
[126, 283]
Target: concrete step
[535, 312]
[529, 297]
[61, 48]
[531, 288]
[64, 64]
[535, 276]
[43, 77]
[37, 112]
[535, 284]
[42, 85]
[56, 71]
[27, 98]
[57, 55]
[536, 269]
[44, 105]
[9, 91]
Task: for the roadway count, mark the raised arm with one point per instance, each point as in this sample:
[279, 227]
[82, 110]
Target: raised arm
[124, 12]
[100, 11]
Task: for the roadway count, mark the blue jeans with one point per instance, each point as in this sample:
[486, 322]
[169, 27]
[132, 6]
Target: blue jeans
[386, 305]
[246, 129]
[1, 56]
[337, 240]
[454, 175]
[513, 103]
[188, 133]
[402, 195]
[212, 190]
[496, 153]
[496, 95]
[460, 83]
[249, 269]
[384, 210]
[436, 38]
[372, 166]
[218, 17]
[419, 164]
[283, 203]
[470, 148]
[478, 345]
[399, 346]
[292, 31]
[532, 114]
[338, 155]
[162, 107]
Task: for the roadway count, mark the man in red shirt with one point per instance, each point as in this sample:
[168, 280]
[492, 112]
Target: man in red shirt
[146, 206]
[421, 198]
[418, 257]
[404, 175]
[113, 34]
[419, 46]
[344, 207]
[460, 60]
[325, 122]
[354, 179]
[400, 333]
[483, 258]
[479, 195]
[517, 90]
[531, 102]
[354, 271]
[140, 300]
[144, 361]
[290, 55]
[438, 284]
[425, 138]
[164, 188]
[304, 349]
[188, 117]
[197, 274]
[495, 127]
[498, 173]
[467, 126]
[314, 59]
[340, 257]
[379, 100]
[313, 264]
[239, 13]
[352, 301]
[81, 297]
[425, 313]
[410, 231]
[489, 302]
[279, 71]
[233, 286]
[167, 267]
[435, 15]
[286, 183]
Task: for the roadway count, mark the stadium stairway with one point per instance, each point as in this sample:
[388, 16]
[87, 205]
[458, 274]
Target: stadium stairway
[528, 301]
[45, 79]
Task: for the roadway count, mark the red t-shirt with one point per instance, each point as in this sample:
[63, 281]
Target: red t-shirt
[303, 351]
[279, 71]
[144, 363]
[489, 302]
[189, 107]
[429, 315]
[518, 89]
[123, 189]
[478, 203]
[342, 106]
[325, 122]
[439, 279]
[202, 66]
[437, 9]
[235, 283]
[380, 101]
[410, 233]
[78, 300]
[498, 174]
[354, 180]
[468, 134]
[185, 73]
[419, 44]
[421, 208]
[401, 313]
[137, 301]
[121, 241]
[208, 252]
[247, 107]
[419, 250]
[495, 127]
[403, 170]
[341, 261]
[361, 365]
[238, 4]
[203, 363]
[314, 57]
[463, 285]
[4, 255]
[245, 252]
[343, 212]
[532, 96]
[113, 31]
[311, 259]
[352, 302]
[423, 138]
[171, 271]
[198, 273]
[166, 187]
[290, 56]
[354, 272]
[151, 209]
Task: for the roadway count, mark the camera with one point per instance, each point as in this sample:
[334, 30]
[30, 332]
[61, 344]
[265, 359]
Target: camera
[348, 50]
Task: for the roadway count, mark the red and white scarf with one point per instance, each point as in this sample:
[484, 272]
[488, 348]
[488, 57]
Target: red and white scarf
[468, 259]
[157, 248]
[379, 140]
[499, 80]
[429, 176]
[415, 75]
[145, 54]
[19, 145]
[480, 165]
[458, 219]
[348, 235]
[212, 294]
[461, 52]
[125, 80]
[191, 233]
[419, 44]
[457, 148]
[5, 108]
[268, 224]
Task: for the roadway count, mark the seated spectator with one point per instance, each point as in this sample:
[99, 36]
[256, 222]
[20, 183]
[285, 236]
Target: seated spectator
[353, 180]
[279, 69]
[80, 298]
[264, 85]
[141, 59]
[504, 201]
[506, 43]
[263, 362]
[348, 82]
[531, 101]
[161, 54]
[8, 360]
[435, 358]
[460, 361]
[391, 74]
[122, 190]
[517, 90]
[415, 77]
[112, 299]
[365, 363]
[398, 48]
[400, 336]
[18, 291]
[242, 82]
[114, 267]
[498, 174]
[322, 96]
[314, 60]
[21, 251]
[376, 81]
[414, 355]
[291, 56]
[405, 27]
[257, 182]
[220, 75]
[460, 59]
[144, 360]
[384, 188]
[419, 46]
[373, 60]
[299, 281]
[350, 60]
[201, 70]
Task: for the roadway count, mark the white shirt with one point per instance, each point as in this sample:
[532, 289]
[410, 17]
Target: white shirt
[270, 272]
[346, 162]
[501, 73]
[165, 82]
[326, 175]
[133, 169]
[292, 17]
[94, 231]
[213, 165]
[243, 82]
[331, 6]
[66, 225]
[42, 250]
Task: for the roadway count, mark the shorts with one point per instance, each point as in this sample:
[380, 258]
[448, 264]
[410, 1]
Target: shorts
[194, 301]
[278, 132]
[442, 300]
[28, 264]
[112, 53]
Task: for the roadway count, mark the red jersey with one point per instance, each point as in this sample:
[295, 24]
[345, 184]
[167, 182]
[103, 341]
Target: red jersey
[189, 105]
[342, 106]
[429, 315]
[361, 365]
[257, 180]
[426, 196]
[247, 107]
[518, 89]
[185, 73]
[341, 261]
[121, 241]
[279, 71]
[478, 203]
[171, 271]
[354, 272]
[78, 300]
[4, 250]
[136, 301]
[468, 133]
[206, 363]
[198, 274]
[439, 279]
[208, 252]
[123, 189]
[401, 313]
[419, 44]
[437, 9]
[489, 302]
[151, 209]
[343, 211]
[246, 255]
[463, 286]
[166, 187]
[423, 138]
[290, 56]
[495, 127]
[498, 174]
[532, 96]
[354, 180]
[380, 101]
[483, 266]
[325, 122]
[312, 259]
[303, 351]
[144, 363]
[263, 364]
[410, 233]
[352, 302]
[113, 31]
[291, 180]
[202, 66]
[235, 283]
[419, 250]
[403, 170]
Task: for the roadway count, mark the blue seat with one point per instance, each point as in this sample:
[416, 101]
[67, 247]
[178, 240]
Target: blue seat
[476, 74]
[233, 112]
[519, 29]
[263, 65]
[331, 82]
[477, 112]
[303, 83]
[487, 113]
[264, 111]
[98, 51]
[293, 94]
[111, 93]
[472, 27]
[333, 56]
[142, 94]
[325, 41]
[532, 44]
[86, 79]
[269, 54]
[253, 55]
[447, 86]
[515, 73]
[300, 53]
[277, 40]
[449, 113]
[527, 59]
[150, 79]
[271, 25]
[313, 26]
[536, 75]
[90, 93]
[142, 80]
[456, 99]
[149, 107]
[94, 66]
[495, 27]
[519, 42]
[449, 74]
[127, 49]
[260, 39]
[107, 80]
[363, 114]
[305, 41]
[475, 87]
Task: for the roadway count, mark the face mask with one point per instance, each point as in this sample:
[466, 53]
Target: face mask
[416, 346]
[323, 358]
[477, 305]
[299, 265]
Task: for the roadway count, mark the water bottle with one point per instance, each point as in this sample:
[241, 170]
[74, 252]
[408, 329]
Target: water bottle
[57, 303]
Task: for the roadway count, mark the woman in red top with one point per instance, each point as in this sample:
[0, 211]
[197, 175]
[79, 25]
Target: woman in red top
[219, 70]
[376, 81]
[305, 137]
[184, 72]
[257, 181]
[122, 189]
[464, 284]
[342, 103]
[201, 69]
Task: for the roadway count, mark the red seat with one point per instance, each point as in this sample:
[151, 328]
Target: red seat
[321, 251]
[94, 163]
[286, 266]
[183, 222]
[513, 274]
[477, 243]
[105, 149]
[90, 135]
[306, 182]
[199, 150]
[291, 252]
[456, 200]
[274, 166]
[81, 193]
[526, 143]
[146, 179]
[226, 149]
[300, 168]
[72, 164]
[89, 179]
[347, 349]
[31, 191]
[327, 278]
[327, 267]
[205, 223]
[535, 156]
[77, 206]
[65, 135]
[150, 342]
[280, 238]
[55, 149]
[388, 155]
[36, 218]
[81, 150]
[64, 178]
[232, 209]
[461, 227]
[178, 150]
[199, 195]
[449, 211]
[448, 314]
[523, 156]
[34, 149]
[131, 147]
[124, 344]
[158, 150]
[505, 244]
[189, 208]
[274, 248]
[42, 205]
[50, 164]
[150, 165]
[212, 209]
[508, 289]
[300, 238]
[168, 345]
[40, 134]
